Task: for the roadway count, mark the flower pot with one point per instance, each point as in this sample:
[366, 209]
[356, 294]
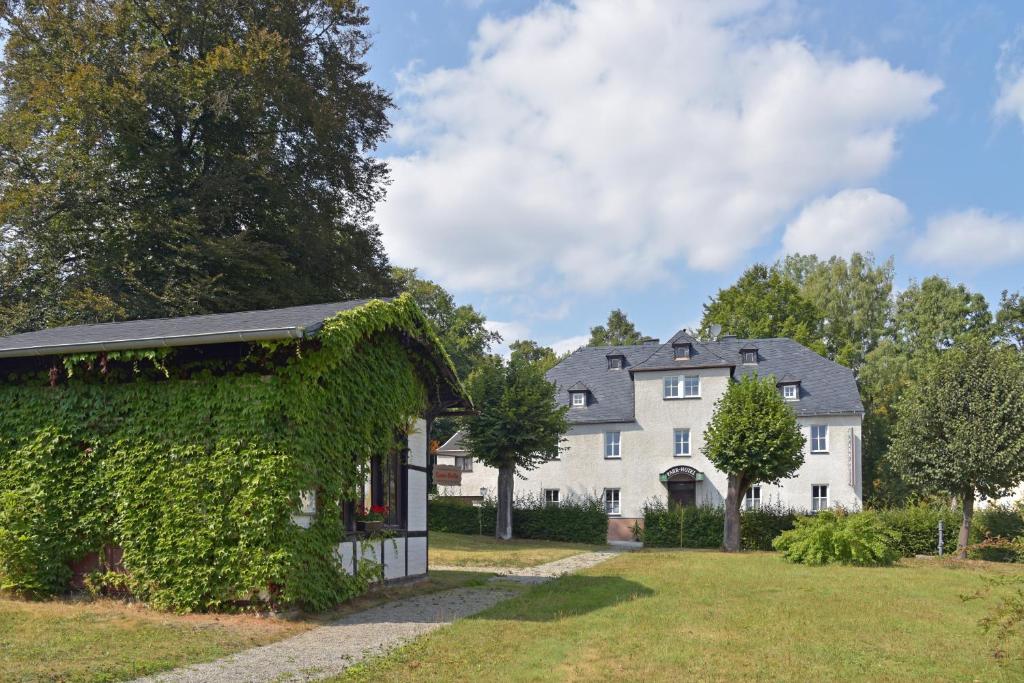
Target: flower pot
[370, 527]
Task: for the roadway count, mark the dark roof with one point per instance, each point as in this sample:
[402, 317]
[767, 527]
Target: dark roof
[701, 355]
[789, 379]
[611, 391]
[278, 323]
[453, 445]
[825, 387]
[579, 386]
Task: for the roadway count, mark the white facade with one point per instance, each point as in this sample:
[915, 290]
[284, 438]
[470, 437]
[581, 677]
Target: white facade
[647, 449]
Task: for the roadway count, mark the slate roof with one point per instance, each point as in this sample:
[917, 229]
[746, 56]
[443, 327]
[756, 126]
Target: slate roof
[825, 387]
[452, 445]
[279, 323]
[611, 391]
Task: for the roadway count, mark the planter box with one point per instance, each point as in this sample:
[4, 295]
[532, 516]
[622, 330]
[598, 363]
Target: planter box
[369, 527]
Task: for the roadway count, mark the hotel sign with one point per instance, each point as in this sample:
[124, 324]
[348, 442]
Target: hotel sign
[447, 475]
[681, 469]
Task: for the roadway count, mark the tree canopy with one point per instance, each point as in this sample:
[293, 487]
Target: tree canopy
[518, 424]
[764, 303]
[753, 437]
[618, 331]
[961, 425]
[165, 158]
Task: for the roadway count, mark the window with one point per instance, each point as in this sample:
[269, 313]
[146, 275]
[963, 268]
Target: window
[819, 497]
[615, 362]
[681, 442]
[682, 387]
[790, 392]
[464, 463]
[611, 501]
[819, 438]
[579, 398]
[682, 351]
[750, 357]
[612, 444]
[551, 496]
[752, 501]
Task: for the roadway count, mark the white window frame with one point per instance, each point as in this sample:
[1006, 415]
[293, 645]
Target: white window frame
[677, 386]
[813, 440]
[752, 355]
[682, 352]
[681, 442]
[612, 508]
[612, 445]
[579, 399]
[615, 363]
[552, 500]
[790, 392]
[671, 387]
[816, 506]
[752, 498]
[686, 380]
[464, 463]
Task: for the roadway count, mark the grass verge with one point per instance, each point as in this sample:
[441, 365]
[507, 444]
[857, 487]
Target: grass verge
[461, 550]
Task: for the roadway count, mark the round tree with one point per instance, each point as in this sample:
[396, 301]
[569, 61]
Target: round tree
[961, 426]
[754, 438]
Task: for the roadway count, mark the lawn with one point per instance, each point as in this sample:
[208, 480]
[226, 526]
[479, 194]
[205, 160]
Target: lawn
[104, 640]
[462, 550]
[708, 616]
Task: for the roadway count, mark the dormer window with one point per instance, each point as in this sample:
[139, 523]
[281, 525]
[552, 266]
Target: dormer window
[790, 387]
[683, 350]
[616, 361]
[749, 355]
[579, 399]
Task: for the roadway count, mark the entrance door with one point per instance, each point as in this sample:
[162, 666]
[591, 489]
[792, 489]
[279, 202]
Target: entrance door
[683, 493]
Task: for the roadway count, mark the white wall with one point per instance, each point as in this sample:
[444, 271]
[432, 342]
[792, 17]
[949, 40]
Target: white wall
[647, 451]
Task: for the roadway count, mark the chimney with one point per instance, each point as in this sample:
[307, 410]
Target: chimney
[728, 336]
[650, 341]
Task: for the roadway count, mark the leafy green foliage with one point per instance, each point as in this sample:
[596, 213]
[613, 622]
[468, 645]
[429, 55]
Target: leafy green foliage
[196, 477]
[915, 529]
[835, 538]
[618, 331]
[1010, 319]
[764, 303]
[233, 140]
[701, 526]
[574, 520]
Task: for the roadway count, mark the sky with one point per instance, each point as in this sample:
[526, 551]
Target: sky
[552, 160]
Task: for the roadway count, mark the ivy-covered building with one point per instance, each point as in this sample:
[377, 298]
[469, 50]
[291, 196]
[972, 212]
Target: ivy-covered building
[269, 456]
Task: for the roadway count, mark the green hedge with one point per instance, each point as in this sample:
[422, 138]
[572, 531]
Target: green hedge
[578, 520]
[915, 529]
[701, 527]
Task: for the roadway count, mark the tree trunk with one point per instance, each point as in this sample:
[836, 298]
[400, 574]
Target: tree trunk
[965, 525]
[506, 480]
[733, 497]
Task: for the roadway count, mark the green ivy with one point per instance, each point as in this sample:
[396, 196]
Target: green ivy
[195, 469]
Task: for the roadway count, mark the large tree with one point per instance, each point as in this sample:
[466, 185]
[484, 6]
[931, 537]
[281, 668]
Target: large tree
[518, 424]
[753, 437]
[852, 297]
[961, 426]
[163, 157]
[764, 303]
[1010, 319]
[618, 331]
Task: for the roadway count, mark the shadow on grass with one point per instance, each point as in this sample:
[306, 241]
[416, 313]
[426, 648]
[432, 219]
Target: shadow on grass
[568, 596]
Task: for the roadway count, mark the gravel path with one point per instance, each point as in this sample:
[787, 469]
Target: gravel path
[328, 650]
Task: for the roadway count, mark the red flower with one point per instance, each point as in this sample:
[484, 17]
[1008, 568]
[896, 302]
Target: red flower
[379, 509]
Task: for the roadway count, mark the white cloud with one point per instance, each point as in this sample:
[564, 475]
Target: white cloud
[607, 143]
[570, 343]
[1010, 75]
[848, 221]
[972, 238]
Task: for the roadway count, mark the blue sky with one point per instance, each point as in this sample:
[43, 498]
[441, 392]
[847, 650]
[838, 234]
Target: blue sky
[553, 161]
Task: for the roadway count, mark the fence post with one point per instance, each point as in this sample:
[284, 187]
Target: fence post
[940, 538]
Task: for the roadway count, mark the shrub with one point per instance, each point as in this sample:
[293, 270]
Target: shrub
[574, 520]
[32, 559]
[838, 538]
[701, 527]
[994, 532]
[758, 528]
[915, 529]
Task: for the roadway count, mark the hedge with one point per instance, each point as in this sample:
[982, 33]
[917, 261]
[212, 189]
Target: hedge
[915, 529]
[576, 520]
[701, 527]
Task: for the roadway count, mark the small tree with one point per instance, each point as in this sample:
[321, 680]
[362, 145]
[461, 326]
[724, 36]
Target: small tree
[961, 426]
[518, 424]
[753, 437]
[619, 331]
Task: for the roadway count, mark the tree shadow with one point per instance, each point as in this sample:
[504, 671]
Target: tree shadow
[568, 596]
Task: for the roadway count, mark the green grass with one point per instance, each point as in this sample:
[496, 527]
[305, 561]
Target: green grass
[708, 616]
[104, 640]
[462, 550]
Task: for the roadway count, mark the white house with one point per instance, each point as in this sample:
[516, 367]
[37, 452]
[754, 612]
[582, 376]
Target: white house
[638, 416]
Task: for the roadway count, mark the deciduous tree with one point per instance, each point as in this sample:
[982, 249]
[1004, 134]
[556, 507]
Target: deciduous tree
[961, 425]
[618, 331]
[518, 424]
[753, 437]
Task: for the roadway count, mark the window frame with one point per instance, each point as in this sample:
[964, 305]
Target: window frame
[751, 355]
[464, 463]
[557, 497]
[678, 385]
[786, 388]
[816, 488]
[611, 444]
[813, 439]
[752, 501]
[682, 351]
[677, 451]
[686, 378]
[618, 502]
[578, 399]
[616, 362]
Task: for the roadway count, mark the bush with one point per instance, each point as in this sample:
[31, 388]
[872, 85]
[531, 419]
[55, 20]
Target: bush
[701, 527]
[915, 529]
[32, 559]
[760, 527]
[574, 520]
[837, 538]
[992, 525]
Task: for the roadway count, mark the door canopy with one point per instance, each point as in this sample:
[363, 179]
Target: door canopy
[681, 473]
